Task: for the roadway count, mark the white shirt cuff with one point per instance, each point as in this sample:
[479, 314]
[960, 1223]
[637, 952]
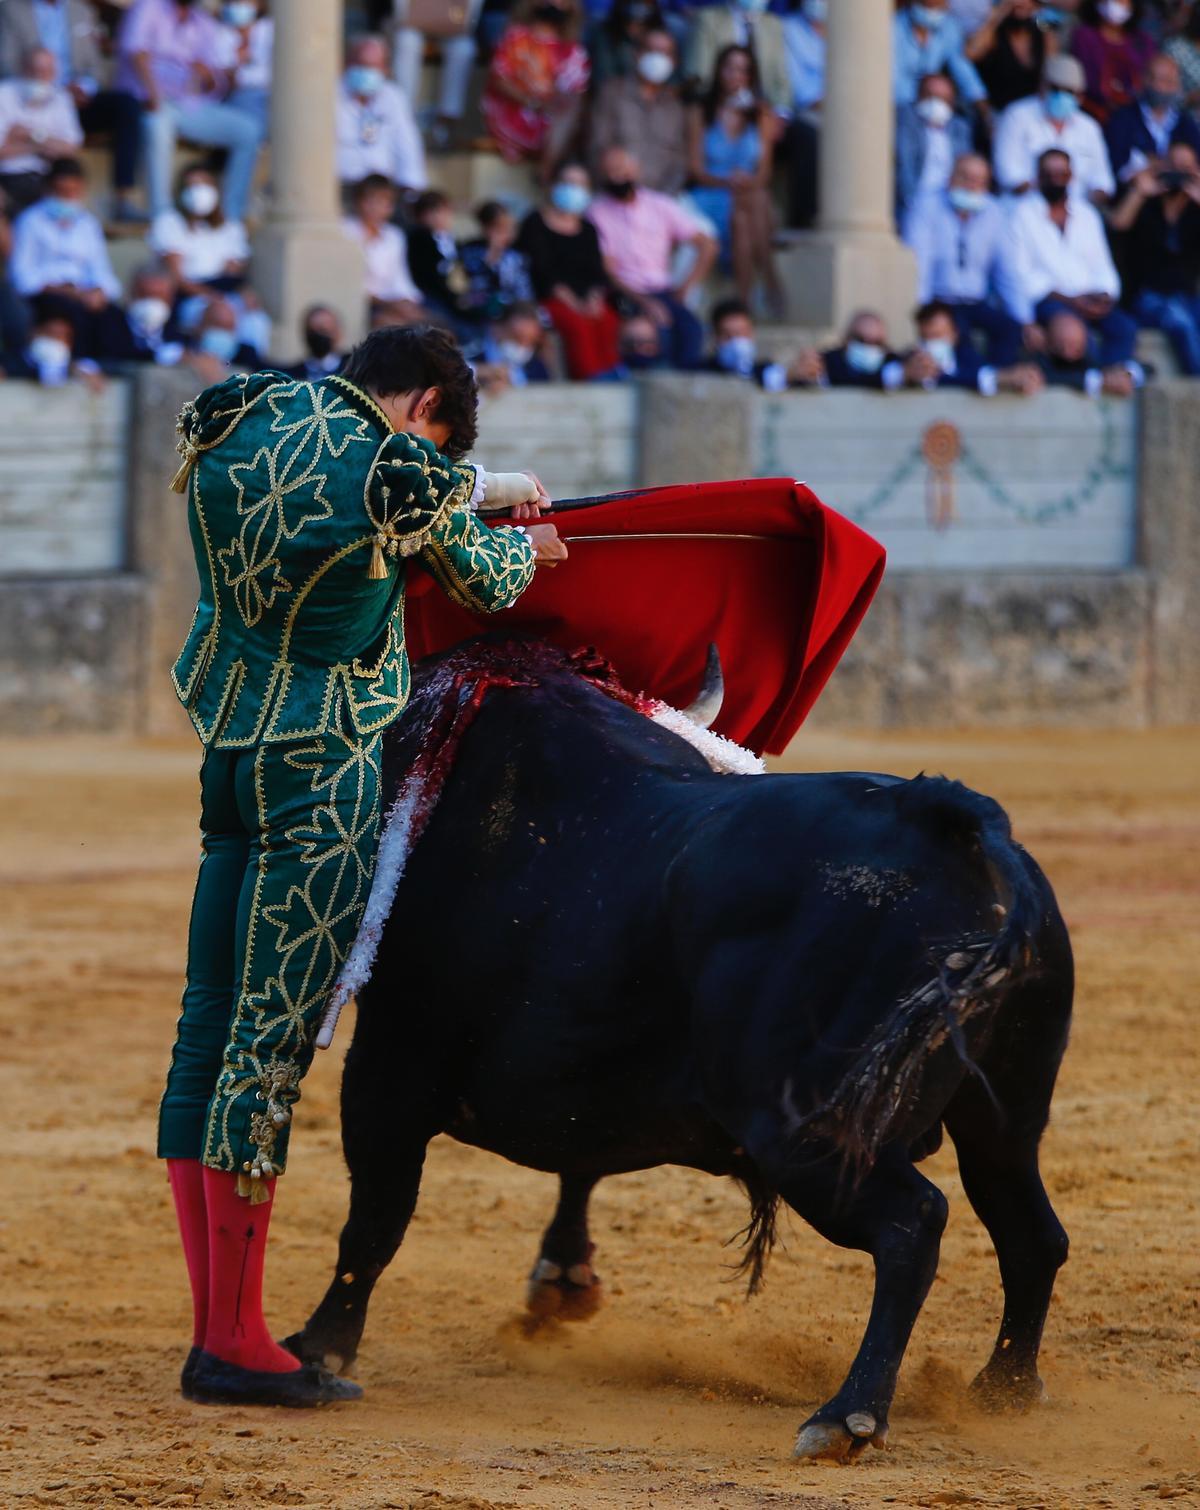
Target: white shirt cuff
[1093, 382]
[892, 375]
[479, 491]
[988, 382]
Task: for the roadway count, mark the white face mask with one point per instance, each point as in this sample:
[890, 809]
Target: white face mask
[51, 357]
[200, 199]
[516, 354]
[864, 356]
[941, 351]
[736, 354]
[655, 67]
[1117, 12]
[150, 314]
[935, 112]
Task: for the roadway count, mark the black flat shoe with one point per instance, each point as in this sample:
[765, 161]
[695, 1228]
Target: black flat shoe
[215, 1382]
[189, 1368]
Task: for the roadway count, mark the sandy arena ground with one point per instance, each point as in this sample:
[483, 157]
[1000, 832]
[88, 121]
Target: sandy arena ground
[678, 1393]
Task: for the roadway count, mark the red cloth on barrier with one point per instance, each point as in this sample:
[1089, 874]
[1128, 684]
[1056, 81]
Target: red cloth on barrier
[762, 568]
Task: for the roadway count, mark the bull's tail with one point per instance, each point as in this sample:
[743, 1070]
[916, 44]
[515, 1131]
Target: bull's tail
[969, 978]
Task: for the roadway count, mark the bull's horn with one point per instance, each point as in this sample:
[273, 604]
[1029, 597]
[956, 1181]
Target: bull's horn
[707, 706]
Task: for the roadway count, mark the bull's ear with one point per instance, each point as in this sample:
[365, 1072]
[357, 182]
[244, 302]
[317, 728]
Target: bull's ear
[707, 707]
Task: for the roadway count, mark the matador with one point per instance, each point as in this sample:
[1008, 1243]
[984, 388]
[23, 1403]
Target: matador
[306, 504]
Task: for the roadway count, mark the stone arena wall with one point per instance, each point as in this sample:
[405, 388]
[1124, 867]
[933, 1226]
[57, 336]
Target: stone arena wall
[1043, 556]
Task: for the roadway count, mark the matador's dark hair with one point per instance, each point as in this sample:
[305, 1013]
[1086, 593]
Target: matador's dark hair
[400, 358]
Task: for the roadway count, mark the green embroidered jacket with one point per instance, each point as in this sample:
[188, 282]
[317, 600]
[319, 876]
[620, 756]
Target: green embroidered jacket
[303, 505]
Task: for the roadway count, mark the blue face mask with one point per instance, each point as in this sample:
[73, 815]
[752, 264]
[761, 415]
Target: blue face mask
[967, 201]
[817, 11]
[62, 210]
[863, 357]
[1061, 104]
[363, 80]
[736, 354]
[241, 12]
[222, 344]
[927, 16]
[753, 4]
[571, 199]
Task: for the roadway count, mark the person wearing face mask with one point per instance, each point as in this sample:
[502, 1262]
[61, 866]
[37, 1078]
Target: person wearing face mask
[1140, 134]
[1057, 258]
[865, 358]
[215, 346]
[60, 263]
[930, 137]
[47, 357]
[644, 113]
[151, 300]
[510, 354]
[747, 24]
[945, 358]
[958, 238]
[171, 56]
[569, 277]
[376, 129]
[290, 693]
[615, 39]
[926, 39]
[735, 353]
[204, 251]
[321, 334]
[248, 35]
[536, 82]
[1114, 50]
[1053, 118]
[38, 122]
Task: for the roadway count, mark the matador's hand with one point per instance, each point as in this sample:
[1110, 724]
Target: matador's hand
[518, 492]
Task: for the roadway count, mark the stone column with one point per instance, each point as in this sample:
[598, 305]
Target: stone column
[855, 258]
[301, 256]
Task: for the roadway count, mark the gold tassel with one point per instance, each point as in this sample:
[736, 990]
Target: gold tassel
[257, 1191]
[179, 483]
[377, 570]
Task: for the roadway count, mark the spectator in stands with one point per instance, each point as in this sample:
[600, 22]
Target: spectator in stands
[1009, 50]
[49, 356]
[324, 345]
[394, 298]
[249, 35]
[730, 157]
[1052, 118]
[497, 273]
[930, 138]
[643, 111]
[456, 42]
[1185, 49]
[536, 83]
[959, 240]
[38, 123]
[151, 299]
[376, 130]
[14, 312]
[511, 353]
[748, 24]
[736, 354]
[1068, 361]
[216, 347]
[1161, 212]
[1114, 49]
[569, 276]
[434, 258]
[640, 232]
[205, 252]
[641, 345]
[70, 30]
[804, 36]
[945, 358]
[927, 39]
[1139, 134]
[615, 41]
[171, 58]
[865, 358]
[60, 263]
[1058, 259]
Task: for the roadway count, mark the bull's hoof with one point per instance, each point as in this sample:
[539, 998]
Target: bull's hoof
[1004, 1392]
[572, 1294]
[839, 1441]
[309, 1350]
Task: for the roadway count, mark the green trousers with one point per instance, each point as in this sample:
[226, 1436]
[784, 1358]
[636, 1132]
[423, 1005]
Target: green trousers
[289, 838]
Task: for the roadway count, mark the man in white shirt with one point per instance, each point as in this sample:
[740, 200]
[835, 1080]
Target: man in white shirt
[38, 122]
[376, 129]
[394, 298]
[959, 239]
[1053, 118]
[1058, 259]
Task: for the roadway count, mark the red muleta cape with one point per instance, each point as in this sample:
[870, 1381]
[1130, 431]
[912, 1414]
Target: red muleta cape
[761, 568]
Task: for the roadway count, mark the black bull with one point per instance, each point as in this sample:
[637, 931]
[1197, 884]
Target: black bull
[605, 957]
